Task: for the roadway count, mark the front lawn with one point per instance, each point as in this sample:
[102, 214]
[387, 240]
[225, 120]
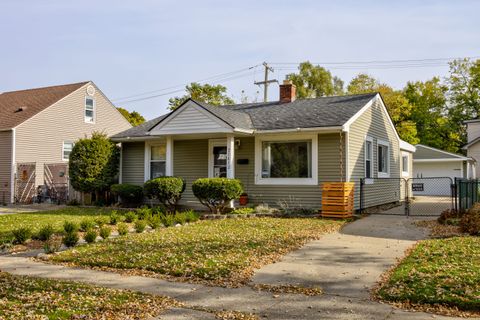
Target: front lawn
[220, 252]
[36, 220]
[33, 298]
[441, 272]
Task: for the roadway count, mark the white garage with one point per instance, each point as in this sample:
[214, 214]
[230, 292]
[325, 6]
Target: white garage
[432, 167]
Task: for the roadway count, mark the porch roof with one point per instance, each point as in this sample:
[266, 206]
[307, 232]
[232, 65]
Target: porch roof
[303, 113]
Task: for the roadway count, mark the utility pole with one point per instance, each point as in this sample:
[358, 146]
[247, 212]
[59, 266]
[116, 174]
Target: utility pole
[266, 82]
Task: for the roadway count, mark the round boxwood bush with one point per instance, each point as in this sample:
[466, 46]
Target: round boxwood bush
[167, 190]
[216, 193]
[129, 195]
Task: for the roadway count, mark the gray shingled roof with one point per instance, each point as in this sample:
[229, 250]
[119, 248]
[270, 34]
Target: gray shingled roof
[304, 113]
[429, 153]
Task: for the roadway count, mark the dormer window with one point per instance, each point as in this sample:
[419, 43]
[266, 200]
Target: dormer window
[89, 110]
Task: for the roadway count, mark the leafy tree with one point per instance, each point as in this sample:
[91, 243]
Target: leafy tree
[397, 104]
[463, 93]
[133, 117]
[315, 81]
[429, 113]
[93, 164]
[211, 94]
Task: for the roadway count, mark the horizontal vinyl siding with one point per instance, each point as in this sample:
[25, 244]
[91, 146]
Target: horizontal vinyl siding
[473, 131]
[133, 164]
[5, 165]
[374, 122]
[190, 158]
[40, 139]
[190, 118]
[294, 195]
[474, 152]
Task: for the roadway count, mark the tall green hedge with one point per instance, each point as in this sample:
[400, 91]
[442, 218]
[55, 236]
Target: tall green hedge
[129, 194]
[93, 164]
[167, 190]
[216, 193]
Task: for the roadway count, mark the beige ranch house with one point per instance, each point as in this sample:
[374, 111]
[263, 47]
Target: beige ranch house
[281, 151]
[38, 128]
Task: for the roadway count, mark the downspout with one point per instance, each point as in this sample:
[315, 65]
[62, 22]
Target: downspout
[12, 168]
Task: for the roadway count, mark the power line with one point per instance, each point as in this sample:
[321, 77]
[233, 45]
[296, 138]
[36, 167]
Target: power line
[120, 99]
[378, 61]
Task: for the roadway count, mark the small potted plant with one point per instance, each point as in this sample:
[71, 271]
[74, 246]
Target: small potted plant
[243, 200]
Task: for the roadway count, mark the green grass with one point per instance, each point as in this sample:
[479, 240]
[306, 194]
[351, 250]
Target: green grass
[36, 220]
[438, 272]
[34, 298]
[221, 252]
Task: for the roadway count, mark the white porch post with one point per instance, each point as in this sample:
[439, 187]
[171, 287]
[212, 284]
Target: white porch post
[169, 156]
[230, 157]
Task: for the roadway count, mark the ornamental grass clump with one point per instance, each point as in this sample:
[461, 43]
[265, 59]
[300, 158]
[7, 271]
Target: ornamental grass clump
[105, 232]
[90, 236]
[143, 213]
[115, 218]
[70, 238]
[45, 232]
[154, 221]
[140, 226]
[130, 217]
[87, 224]
[167, 190]
[22, 234]
[216, 193]
[122, 228]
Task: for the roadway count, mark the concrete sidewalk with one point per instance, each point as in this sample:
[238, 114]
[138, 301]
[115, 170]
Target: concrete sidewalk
[346, 266]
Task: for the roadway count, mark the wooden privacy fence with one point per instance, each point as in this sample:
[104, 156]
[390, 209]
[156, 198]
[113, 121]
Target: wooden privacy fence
[337, 199]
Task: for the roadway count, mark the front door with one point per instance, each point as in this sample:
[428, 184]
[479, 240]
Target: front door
[220, 161]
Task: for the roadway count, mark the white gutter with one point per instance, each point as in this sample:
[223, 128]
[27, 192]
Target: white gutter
[442, 160]
[321, 129]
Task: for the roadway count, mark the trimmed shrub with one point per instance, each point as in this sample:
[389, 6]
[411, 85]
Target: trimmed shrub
[167, 190]
[216, 193]
[122, 228]
[180, 217]
[154, 221]
[70, 227]
[22, 234]
[140, 226]
[128, 194]
[87, 224]
[70, 239]
[90, 236]
[45, 232]
[130, 217]
[470, 221]
[447, 215]
[105, 232]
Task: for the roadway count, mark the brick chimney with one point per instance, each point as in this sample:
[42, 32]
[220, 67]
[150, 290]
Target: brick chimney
[287, 91]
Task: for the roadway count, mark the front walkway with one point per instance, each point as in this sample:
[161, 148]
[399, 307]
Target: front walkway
[346, 265]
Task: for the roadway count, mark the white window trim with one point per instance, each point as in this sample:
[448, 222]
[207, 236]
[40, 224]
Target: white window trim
[63, 149]
[406, 173]
[148, 154]
[385, 144]
[286, 181]
[214, 143]
[368, 139]
[94, 110]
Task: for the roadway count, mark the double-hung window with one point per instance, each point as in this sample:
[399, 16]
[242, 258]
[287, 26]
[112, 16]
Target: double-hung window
[286, 161]
[383, 159]
[89, 110]
[66, 150]
[369, 157]
[157, 161]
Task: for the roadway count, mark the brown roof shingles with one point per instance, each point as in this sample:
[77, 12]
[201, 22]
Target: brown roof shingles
[31, 102]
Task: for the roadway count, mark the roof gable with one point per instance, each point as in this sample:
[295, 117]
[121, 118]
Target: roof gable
[18, 106]
[429, 153]
[190, 117]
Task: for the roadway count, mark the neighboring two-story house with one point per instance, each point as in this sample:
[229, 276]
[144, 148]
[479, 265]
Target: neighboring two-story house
[38, 128]
[473, 147]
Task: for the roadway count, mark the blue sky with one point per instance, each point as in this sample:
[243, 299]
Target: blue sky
[131, 47]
